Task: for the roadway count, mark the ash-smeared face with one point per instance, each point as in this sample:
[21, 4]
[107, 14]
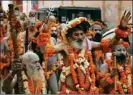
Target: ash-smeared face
[120, 53]
[98, 32]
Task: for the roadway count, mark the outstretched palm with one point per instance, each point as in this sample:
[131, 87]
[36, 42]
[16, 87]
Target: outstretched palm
[125, 19]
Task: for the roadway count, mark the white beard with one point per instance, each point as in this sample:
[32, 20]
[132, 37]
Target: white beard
[78, 45]
[34, 74]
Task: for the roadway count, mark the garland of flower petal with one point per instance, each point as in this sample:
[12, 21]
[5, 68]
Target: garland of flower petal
[80, 84]
[10, 44]
[28, 87]
[125, 78]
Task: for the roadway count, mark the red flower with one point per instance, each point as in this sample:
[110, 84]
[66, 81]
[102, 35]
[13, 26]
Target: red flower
[105, 45]
[43, 39]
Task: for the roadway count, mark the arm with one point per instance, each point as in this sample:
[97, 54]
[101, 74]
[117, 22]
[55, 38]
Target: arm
[9, 83]
[59, 47]
[95, 44]
[11, 80]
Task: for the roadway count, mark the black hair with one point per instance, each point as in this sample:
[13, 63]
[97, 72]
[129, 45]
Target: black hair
[84, 26]
[17, 8]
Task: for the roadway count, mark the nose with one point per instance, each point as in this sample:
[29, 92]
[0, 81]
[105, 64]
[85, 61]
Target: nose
[123, 52]
[80, 36]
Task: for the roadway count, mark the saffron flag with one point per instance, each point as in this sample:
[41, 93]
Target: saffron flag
[34, 5]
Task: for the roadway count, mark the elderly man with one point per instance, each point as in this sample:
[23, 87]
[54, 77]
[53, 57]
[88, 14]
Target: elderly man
[31, 79]
[29, 33]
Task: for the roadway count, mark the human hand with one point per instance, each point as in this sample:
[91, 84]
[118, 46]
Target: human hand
[114, 72]
[17, 65]
[125, 19]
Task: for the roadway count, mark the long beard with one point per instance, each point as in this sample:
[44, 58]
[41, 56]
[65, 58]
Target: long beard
[78, 44]
[97, 37]
[54, 35]
[121, 58]
[34, 74]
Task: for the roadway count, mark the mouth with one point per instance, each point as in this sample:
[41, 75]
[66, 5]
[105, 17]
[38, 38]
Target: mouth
[121, 58]
[80, 41]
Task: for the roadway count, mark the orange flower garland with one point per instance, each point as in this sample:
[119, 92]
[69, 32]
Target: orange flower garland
[80, 84]
[99, 23]
[105, 44]
[98, 53]
[48, 73]
[32, 89]
[50, 51]
[123, 33]
[43, 39]
[10, 58]
[124, 84]
[91, 33]
[29, 87]
[4, 64]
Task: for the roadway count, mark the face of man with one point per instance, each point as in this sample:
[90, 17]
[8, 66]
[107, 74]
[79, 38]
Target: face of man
[33, 66]
[77, 39]
[98, 30]
[51, 20]
[32, 23]
[120, 53]
[54, 32]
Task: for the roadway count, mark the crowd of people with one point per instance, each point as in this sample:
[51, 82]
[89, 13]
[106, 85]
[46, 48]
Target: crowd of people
[43, 57]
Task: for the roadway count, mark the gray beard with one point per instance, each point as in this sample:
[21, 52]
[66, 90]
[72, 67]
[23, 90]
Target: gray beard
[77, 45]
[34, 74]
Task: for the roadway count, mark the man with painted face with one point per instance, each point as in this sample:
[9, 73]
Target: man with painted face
[32, 76]
[97, 27]
[119, 77]
[95, 34]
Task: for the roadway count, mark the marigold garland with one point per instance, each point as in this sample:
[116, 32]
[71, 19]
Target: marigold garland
[88, 69]
[124, 84]
[28, 86]
[99, 23]
[48, 73]
[43, 39]
[91, 33]
[11, 49]
[123, 33]
[98, 53]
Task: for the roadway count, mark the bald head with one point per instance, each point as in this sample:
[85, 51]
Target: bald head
[51, 20]
[29, 57]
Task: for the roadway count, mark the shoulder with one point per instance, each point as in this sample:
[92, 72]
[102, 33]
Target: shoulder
[89, 44]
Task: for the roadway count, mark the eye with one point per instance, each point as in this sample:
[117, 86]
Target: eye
[118, 50]
[81, 34]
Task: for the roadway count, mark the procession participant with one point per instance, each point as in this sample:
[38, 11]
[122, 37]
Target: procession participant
[118, 76]
[51, 61]
[120, 60]
[29, 33]
[2, 23]
[32, 77]
[11, 46]
[95, 32]
[71, 77]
